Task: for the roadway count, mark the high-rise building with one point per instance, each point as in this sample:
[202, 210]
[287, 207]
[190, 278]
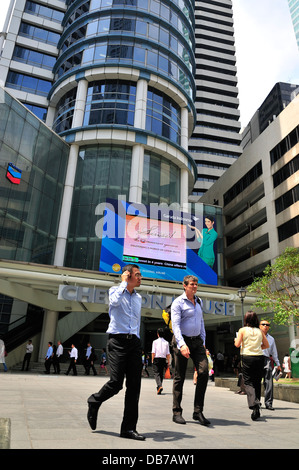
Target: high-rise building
[215, 142]
[276, 101]
[115, 79]
[294, 10]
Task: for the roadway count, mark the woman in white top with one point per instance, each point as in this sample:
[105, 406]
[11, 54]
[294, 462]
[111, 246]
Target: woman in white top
[252, 341]
[287, 366]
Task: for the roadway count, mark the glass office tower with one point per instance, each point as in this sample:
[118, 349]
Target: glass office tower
[115, 79]
[294, 10]
[215, 142]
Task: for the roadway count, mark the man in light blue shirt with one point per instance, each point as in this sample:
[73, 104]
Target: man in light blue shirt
[48, 358]
[189, 341]
[124, 352]
[268, 377]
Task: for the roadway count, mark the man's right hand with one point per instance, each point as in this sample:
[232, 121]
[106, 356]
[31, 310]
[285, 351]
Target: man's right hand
[185, 351]
[125, 276]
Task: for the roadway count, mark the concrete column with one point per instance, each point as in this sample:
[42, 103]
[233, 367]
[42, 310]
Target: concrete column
[140, 107]
[135, 194]
[48, 332]
[66, 206]
[184, 187]
[184, 128]
[50, 116]
[80, 103]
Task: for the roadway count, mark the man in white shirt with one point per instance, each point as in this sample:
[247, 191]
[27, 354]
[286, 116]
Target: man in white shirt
[160, 358]
[57, 356]
[27, 357]
[73, 356]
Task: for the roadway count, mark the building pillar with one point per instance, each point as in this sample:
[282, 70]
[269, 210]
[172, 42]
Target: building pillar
[80, 103]
[140, 105]
[66, 206]
[184, 187]
[50, 116]
[70, 176]
[184, 129]
[136, 179]
[48, 333]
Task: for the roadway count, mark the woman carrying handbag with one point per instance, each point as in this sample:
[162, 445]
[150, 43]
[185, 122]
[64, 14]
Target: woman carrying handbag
[252, 342]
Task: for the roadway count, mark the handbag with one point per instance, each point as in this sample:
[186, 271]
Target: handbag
[167, 373]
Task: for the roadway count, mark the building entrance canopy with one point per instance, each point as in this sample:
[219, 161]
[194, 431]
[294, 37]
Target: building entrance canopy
[64, 289]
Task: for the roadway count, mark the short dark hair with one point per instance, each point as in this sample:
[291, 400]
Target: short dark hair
[251, 319]
[189, 278]
[129, 267]
[210, 218]
[160, 332]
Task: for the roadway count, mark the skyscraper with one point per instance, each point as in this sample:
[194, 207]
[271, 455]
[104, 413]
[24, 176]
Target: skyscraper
[215, 142]
[294, 10]
[115, 79]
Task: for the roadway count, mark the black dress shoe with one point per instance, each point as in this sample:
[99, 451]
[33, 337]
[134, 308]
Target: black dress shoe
[200, 417]
[270, 407]
[256, 413]
[132, 435]
[178, 419]
[92, 415]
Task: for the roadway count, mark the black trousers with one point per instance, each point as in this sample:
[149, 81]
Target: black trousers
[253, 370]
[268, 381]
[48, 363]
[56, 364]
[26, 360]
[200, 361]
[159, 366]
[72, 367]
[89, 364]
[125, 360]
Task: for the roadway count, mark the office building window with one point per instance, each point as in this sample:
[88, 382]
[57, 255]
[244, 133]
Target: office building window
[285, 145]
[28, 56]
[243, 183]
[288, 229]
[163, 116]
[286, 171]
[27, 83]
[40, 112]
[161, 180]
[287, 199]
[65, 111]
[38, 34]
[110, 102]
[43, 11]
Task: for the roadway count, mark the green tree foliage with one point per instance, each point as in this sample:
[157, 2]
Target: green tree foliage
[278, 288]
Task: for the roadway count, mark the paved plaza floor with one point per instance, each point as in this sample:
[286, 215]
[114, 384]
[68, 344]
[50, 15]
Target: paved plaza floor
[49, 412]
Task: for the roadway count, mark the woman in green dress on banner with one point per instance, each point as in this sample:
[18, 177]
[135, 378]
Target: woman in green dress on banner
[207, 238]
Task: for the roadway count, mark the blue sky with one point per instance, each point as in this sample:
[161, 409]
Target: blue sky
[266, 49]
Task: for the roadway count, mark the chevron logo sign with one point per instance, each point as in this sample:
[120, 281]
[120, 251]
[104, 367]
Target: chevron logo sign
[13, 174]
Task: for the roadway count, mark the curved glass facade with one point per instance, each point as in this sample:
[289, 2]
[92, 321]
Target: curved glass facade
[148, 34]
[110, 102]
[104, 172]
[152, 44]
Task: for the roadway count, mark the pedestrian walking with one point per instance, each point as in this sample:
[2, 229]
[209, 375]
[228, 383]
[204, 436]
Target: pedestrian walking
[189, 341]
[27, 357]
[252, 342]
[124, 352]
[160, 359]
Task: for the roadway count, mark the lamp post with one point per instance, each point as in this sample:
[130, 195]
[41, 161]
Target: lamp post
[242, 295]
